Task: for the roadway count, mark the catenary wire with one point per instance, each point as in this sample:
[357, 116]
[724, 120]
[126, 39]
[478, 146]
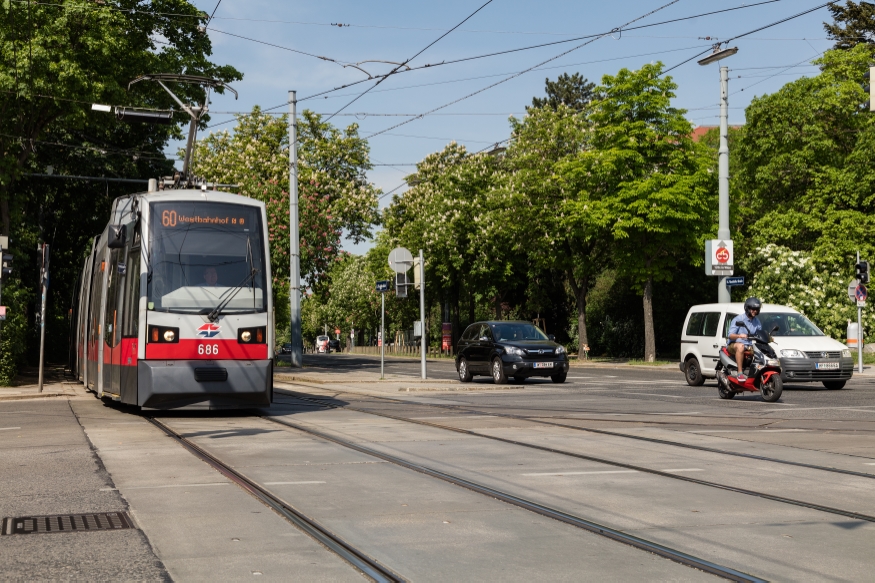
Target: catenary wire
[404, 64]
[515, 75]
[777, 22]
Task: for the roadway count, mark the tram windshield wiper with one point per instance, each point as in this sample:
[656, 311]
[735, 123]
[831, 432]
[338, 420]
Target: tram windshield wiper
[217, 311]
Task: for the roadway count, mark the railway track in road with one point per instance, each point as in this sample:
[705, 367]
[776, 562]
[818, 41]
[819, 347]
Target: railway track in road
[542, 421]
[615, 463]
[540, 509]
[355, 557]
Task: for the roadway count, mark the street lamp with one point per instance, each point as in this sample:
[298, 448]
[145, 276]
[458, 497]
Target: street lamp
[723, 295]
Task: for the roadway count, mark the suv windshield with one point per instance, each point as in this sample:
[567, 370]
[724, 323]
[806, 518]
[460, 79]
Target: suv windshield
[514, 332]
[202, 254]
[789, 325]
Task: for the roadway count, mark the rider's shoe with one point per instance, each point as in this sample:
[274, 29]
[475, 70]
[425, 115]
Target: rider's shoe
[741, 378]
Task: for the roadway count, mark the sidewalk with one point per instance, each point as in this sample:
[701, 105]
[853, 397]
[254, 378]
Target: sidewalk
[55, 384]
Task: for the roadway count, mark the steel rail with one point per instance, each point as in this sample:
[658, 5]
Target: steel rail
[367, 565]
[547, 511]
[636, 437]
[615, 463]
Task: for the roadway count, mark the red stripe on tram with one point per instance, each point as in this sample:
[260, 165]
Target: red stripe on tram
[204, 349]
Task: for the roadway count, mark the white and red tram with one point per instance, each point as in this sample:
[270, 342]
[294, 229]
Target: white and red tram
[174, 307]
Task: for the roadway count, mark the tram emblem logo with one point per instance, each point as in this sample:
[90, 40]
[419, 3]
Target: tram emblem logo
[208, 330]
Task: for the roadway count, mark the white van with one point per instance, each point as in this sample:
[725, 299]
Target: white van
[806, 353]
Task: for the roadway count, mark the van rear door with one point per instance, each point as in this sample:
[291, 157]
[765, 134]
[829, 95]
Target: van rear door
[702, 328]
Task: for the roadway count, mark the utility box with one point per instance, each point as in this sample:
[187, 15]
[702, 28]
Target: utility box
[853, 329]
[417, 329]
[417, 274]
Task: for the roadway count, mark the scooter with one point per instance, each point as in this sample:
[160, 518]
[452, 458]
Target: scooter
[764, 371]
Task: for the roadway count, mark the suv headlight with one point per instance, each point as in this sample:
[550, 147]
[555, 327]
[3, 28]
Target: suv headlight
[846, 353]
[560, 350]
[513, 350]
[791, 353]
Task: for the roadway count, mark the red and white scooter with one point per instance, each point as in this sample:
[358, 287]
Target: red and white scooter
[764, 371]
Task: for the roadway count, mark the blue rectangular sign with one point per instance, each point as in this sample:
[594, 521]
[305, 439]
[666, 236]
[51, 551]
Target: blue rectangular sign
[734, 281]
[383, 285]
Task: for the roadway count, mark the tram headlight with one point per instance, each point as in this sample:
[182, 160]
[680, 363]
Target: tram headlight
[252, 335]
[163, 335]
[169, 336]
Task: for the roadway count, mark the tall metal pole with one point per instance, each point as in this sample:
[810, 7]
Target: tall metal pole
[382, 333]
[44, 275]
[297, 355]
[859, 332]
[423, 343]
[723, 295]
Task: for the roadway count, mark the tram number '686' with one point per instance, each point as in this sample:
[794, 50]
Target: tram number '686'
[208, 349]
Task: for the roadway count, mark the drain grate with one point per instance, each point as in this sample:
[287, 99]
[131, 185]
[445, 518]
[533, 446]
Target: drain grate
[67, 523]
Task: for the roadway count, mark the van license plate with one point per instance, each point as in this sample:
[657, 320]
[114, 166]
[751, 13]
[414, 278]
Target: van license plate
[826, 365]
[543, 365]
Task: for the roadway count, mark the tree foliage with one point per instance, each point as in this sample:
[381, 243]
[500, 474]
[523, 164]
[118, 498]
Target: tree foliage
[574, 91]
[853, 23]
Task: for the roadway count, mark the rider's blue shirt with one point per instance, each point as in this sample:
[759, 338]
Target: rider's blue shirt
[741, 324]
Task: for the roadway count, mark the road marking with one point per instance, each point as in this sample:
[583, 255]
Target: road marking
[456, 417]
[748, 431]
[854, 408]
[8, 428]
[658, 395]
[584, 473]
[290, 483]
[869, 464]
[686, 470]
[166, 486]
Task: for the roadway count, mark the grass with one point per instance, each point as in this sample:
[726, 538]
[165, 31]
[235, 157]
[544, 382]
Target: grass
[636, 362]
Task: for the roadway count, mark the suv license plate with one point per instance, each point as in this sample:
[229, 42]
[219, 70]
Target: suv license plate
[543, 365]
[826, 365]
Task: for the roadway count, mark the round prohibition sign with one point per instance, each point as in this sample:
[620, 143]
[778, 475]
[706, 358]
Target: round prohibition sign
[722, 255]
[861, 293]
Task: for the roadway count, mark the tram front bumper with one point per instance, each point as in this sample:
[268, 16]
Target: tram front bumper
[204, 384]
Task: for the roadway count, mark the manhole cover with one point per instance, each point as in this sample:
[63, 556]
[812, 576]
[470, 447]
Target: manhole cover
[66, 523]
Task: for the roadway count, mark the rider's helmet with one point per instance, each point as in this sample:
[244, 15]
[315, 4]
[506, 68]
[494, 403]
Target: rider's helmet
[752, 304]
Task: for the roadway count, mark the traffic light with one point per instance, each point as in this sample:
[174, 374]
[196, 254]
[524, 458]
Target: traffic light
[401, 284]
[868, 88]
[862, 269]
[7, 265]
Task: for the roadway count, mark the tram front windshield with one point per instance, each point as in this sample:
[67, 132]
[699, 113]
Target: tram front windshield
[206, 254]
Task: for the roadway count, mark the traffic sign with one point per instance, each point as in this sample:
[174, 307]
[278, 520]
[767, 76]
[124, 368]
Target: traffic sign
[852, 289]
[337, 331]
[383, 285]
[719, 257]
[400, 260]
[734, 281]
[861, 293]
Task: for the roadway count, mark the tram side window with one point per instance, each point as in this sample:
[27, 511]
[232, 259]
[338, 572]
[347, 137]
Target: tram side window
[132, 296]
[110, 333]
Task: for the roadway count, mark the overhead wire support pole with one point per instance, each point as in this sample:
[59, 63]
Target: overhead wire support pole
[44, 288]
[723, 294]
[297, 354]
[423, 341]
[859, 331]
[382, 335]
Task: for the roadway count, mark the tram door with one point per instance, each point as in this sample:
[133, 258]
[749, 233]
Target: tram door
[95, 318]
[112, 319]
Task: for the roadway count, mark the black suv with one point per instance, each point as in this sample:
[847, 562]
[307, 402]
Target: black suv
[509, 349]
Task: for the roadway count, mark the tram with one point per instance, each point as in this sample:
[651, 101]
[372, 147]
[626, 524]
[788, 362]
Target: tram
[174, 306]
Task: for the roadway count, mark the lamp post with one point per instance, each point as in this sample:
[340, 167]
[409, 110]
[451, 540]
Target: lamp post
[723, 295]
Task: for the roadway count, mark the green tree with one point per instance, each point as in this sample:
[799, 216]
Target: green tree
[653, 182]
[574, 91]
[853, 23]
[565, 229]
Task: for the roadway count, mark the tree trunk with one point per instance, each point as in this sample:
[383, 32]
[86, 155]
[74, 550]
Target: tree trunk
[580, 292]
[471, 308]
[4, 210]
[497, 307]
[649, 337]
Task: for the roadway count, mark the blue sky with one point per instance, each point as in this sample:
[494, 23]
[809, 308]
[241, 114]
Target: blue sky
[394, 31]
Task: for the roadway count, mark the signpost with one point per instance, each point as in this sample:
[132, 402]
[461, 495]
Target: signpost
[720, 261]
[401, 260]
[860, 294]
[382, 287]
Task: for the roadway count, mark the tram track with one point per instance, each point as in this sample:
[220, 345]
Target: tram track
[542, 421]
[367, 565]
[615, 463]
[540, 509]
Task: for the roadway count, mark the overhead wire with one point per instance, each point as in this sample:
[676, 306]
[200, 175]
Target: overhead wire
[750, 32]
[515, 75]
[404, 64]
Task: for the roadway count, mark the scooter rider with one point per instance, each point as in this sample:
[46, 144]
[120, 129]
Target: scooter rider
[742, 327]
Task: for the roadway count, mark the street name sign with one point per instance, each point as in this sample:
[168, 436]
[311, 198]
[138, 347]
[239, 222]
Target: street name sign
[734, 281]
[719, 257]
[383, 285]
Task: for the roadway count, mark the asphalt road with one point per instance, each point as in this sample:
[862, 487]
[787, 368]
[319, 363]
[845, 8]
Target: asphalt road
[783, 491]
